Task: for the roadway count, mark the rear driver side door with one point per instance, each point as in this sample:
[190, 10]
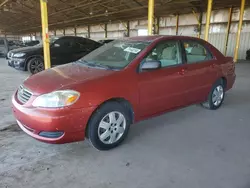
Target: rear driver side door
[201, 72]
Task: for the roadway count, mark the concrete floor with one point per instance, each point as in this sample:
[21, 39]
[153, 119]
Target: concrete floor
[10, 79]
[188, 148]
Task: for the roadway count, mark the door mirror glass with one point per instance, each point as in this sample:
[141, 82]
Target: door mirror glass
[151, 65]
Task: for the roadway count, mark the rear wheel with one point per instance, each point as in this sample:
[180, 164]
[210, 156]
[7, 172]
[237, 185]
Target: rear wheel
[216, 96]
[108, 126]
[35, 65]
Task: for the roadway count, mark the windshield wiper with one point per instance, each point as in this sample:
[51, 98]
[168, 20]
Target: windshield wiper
[90, 64]
[104, 66]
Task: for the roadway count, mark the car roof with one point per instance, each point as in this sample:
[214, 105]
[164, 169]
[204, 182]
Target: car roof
[66, 36]
[152, 38]
[75, 37]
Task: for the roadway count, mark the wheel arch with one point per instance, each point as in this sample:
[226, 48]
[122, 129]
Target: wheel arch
[31, 57]
[224, 81]
[124, 102]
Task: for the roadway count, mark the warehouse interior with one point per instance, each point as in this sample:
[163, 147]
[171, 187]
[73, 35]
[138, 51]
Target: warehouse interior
[115, 19]
[191, 147]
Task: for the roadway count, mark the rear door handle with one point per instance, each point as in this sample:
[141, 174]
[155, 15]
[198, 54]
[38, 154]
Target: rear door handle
[182, 71]
[213, 65]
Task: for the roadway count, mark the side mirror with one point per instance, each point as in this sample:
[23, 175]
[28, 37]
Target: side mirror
[151, 65]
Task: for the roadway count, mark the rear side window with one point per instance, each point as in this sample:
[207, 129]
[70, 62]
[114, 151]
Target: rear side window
[196, 52]
[85, 43]
[93, 44]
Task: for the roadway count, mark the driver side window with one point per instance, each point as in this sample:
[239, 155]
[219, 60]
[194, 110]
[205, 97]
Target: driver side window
[167, 52]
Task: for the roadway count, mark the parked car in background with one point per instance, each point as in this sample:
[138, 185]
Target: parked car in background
[248, 55]
[120, 83]
[32, 43]
[4, 47]
[62, 50]
[105, 41]
[14, 44]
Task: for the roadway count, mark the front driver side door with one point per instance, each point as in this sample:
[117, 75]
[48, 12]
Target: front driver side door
[163, 89]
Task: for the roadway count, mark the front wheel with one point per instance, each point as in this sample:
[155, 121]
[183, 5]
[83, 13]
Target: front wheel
[216, 96]
[108, 126]
[35, 65]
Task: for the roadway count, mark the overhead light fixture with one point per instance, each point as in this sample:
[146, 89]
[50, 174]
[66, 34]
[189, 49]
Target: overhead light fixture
[90, 11]
[106, 12]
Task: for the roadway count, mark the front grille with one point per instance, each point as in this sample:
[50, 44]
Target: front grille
[23, 94]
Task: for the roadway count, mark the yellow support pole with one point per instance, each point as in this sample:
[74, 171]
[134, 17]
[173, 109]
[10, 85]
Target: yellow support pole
[208, 18]
[177, 24]
[228, 29]
[150, 16]
[236, 51]
[45, 33]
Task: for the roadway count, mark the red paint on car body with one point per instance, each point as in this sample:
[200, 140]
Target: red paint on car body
[149, 93]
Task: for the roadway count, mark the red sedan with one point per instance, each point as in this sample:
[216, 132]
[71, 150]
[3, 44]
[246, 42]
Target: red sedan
[120, 83]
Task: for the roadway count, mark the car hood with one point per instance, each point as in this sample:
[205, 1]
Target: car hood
[62, 77]
[26, 49]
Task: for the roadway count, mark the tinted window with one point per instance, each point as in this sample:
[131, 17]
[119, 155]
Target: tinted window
[196, 52]
[168, 53]
[85, 43]
[65, 42]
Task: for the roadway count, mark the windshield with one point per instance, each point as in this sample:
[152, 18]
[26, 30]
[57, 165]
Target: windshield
[115, 55]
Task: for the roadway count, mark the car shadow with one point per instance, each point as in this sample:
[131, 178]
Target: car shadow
[185, 115]
[164, 120]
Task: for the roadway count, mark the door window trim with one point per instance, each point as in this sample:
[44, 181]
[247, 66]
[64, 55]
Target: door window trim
[200, 43]
[181, 56]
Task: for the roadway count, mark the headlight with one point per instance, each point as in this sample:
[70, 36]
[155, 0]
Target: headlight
[57, 99]
[19, 55]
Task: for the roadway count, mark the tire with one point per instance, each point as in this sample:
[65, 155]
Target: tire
[35, 65]
[108, 126]
[216, 96]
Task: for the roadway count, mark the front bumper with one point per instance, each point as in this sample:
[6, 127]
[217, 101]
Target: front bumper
[56, 126]
[17, 63]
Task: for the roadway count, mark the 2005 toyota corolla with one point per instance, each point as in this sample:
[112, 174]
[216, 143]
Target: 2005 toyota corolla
[120, 83]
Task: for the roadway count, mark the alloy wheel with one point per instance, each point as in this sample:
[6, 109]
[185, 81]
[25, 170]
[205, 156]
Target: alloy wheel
[218, 95]
[112, 127]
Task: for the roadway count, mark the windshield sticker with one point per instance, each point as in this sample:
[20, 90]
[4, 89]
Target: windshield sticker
[132, 50]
